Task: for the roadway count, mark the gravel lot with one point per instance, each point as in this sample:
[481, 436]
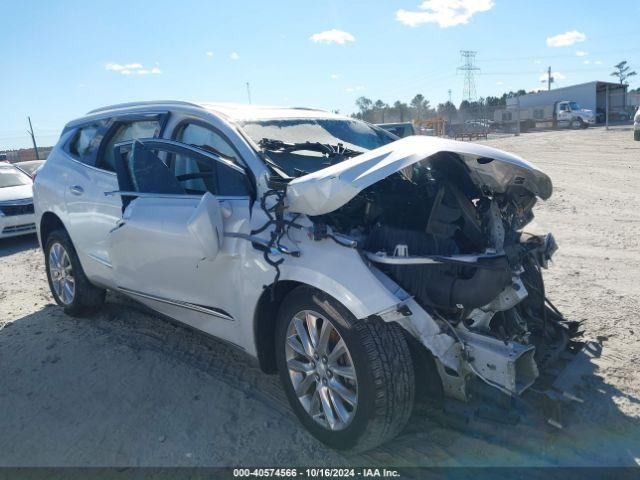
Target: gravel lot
[126, 388]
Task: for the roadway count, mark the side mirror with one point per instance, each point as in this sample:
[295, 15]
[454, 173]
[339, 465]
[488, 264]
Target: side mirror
[207, 227]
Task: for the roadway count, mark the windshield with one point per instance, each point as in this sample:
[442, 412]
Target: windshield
[12, 177]
[351, 134]
[574, 106]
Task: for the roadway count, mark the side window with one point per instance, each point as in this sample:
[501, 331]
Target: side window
[188, 173]
[223, 180]
[203, 137]
[85, 143]
[124, 132]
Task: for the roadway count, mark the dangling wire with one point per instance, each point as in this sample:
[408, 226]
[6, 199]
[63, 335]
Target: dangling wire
[275, 214]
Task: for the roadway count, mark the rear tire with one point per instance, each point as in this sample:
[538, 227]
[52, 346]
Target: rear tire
[377, 357]
[68, 283]
[636, 135]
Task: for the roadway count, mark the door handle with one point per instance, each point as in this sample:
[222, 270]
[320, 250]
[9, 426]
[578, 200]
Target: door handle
[76, 189]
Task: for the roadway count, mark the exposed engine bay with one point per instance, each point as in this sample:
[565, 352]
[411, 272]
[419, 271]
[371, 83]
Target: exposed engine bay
[440, 223]
[460, 252]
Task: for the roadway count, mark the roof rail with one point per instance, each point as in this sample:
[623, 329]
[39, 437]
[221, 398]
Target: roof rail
[137, 104]
[311, 109]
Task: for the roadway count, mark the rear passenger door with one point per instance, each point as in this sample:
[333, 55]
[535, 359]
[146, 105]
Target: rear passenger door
[91, 214]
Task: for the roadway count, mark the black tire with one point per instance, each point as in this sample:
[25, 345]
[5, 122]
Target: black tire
[577, 124]
[636, 135]
[383, 366]
[86, 297]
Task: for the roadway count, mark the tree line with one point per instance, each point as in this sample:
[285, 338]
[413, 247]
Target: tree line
[419, 108]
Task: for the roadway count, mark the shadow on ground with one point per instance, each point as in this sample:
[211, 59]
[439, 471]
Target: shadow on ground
[13, 245]
[124, 387]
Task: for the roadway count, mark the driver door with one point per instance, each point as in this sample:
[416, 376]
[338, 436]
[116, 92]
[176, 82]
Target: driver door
[564, 115]
[169, 250]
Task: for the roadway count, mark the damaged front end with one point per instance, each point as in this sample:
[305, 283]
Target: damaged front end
[440, 223]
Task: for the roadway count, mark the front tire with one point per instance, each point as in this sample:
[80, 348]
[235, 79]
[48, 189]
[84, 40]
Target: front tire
[68, 283]
[349, 381]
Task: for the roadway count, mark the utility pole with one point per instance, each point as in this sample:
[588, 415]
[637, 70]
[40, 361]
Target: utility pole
[606, 108]
[549, 79]
[249, 93]
[517, 115]
[449, 95]
[33, 138]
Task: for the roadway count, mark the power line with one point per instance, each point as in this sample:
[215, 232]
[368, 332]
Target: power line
[561, 55]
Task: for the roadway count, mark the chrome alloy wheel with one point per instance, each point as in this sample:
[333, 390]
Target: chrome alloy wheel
[61, 273]
[321, 370]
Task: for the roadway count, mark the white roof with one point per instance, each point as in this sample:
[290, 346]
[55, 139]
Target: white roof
[239, 111]
[233, 111]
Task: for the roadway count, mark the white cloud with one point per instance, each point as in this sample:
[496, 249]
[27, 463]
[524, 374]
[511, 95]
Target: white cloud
[445, 13]
[332, 36]
[209, 54]
[586, 62]
[132, 69]
[234, 56]
[335, 76]
[537, 62]
[581, 53]
[566, 39]
[357, 88]
[598, 62]
[499, 82]
[117, 67]
[556, 76]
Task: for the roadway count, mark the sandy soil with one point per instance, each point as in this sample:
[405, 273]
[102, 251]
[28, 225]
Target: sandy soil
[127, 388]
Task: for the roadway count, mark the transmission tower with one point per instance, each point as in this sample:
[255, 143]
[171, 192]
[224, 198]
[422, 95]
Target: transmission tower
[467, 58]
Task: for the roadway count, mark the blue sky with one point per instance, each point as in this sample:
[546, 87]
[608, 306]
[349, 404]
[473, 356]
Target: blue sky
[60, 59]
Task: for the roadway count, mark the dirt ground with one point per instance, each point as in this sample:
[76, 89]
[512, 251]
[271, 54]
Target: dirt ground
[125, 388]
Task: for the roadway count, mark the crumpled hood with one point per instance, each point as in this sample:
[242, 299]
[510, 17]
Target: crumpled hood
[330, 188]
[19, 192]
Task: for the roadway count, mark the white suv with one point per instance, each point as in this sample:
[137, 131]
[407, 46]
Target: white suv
[636, 126]
[358, 266]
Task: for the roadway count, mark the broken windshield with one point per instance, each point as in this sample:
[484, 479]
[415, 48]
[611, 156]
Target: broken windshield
[353, 135]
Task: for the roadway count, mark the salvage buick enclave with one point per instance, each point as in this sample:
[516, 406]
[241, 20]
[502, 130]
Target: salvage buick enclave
[357, 265]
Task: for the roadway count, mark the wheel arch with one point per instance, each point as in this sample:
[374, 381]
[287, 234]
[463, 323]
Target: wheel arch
[265, 318]
[48, 223]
